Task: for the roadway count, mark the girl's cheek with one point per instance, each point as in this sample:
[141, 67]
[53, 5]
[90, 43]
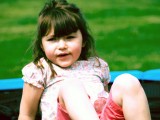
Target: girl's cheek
[48, 50]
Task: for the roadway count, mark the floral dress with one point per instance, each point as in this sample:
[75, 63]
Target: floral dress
[93, 74]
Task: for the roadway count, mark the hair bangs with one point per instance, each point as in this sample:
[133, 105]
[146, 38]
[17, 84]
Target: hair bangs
[64, 24]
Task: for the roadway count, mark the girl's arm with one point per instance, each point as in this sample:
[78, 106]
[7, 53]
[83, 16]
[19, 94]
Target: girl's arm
[29, 102]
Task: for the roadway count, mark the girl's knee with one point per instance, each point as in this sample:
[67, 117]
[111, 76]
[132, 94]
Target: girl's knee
[70, 87]
[67, 89]
[127, 82]
[124, 85]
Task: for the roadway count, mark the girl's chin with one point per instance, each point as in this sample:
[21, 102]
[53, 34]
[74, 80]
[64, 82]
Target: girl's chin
[64, 65]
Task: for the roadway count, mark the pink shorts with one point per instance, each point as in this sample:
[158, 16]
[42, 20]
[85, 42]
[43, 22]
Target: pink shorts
[106, 109]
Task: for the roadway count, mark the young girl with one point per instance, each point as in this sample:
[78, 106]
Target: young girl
[69, 80]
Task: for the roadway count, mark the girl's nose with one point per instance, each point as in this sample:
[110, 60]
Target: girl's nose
[62, 44]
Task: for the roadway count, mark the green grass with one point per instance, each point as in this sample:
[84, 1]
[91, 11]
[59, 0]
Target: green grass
[126, 32]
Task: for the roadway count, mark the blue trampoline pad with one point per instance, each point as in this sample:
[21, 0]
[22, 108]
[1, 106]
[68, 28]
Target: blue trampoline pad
[11, 84]
[152, 75]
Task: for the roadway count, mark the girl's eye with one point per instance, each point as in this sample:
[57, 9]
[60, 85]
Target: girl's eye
[52, 39]
[70, 37]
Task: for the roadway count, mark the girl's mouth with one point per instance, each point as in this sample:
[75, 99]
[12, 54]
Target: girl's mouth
[62, 55]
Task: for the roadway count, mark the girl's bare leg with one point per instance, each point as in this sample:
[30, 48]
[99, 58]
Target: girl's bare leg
[76, 101]
[128, 93]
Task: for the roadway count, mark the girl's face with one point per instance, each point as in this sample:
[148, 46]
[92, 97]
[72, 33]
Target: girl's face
[63, 51]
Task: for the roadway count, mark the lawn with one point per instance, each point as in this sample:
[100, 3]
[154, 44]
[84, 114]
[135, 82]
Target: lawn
[126, 32]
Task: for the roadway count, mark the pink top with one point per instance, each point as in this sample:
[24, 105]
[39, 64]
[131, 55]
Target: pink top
[92, 75]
